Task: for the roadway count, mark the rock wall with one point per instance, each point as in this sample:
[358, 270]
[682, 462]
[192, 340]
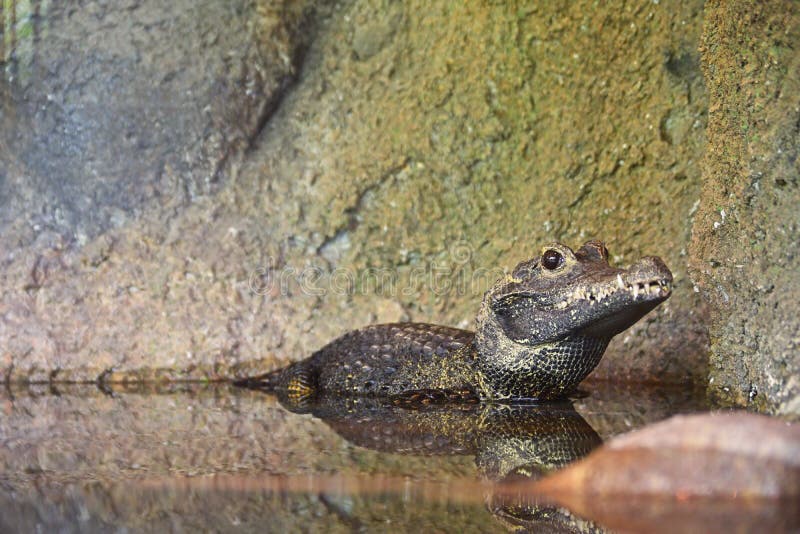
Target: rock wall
[109, 110]
[164, 218]
[745, 248]
[423, 150]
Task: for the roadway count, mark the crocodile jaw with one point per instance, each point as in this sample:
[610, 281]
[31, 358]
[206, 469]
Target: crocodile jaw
[613, 305]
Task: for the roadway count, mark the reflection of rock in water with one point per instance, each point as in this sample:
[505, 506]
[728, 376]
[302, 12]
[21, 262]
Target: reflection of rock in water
[508, 442]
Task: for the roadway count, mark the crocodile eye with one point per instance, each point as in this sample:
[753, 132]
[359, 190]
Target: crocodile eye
[552, 259]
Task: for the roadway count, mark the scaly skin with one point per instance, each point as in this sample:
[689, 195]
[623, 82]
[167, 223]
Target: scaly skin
[540, 331]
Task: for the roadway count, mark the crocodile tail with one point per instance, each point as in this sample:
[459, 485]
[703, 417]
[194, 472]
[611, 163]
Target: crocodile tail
[265, 382]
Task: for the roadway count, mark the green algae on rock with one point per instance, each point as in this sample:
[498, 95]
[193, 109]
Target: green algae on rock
[745, 250]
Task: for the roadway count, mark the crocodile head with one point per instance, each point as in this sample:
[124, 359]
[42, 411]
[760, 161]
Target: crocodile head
[550, 320]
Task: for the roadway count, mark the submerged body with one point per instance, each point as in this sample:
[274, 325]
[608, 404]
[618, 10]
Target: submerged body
[540, 332]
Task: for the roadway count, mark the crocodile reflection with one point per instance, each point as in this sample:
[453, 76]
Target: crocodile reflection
[508, 441]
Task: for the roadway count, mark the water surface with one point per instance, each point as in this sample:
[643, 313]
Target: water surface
[217, 458]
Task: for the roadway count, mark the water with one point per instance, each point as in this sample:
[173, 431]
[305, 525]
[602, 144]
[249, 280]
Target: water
[217, 458]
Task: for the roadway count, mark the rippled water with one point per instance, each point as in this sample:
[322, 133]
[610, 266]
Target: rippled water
[218, 458]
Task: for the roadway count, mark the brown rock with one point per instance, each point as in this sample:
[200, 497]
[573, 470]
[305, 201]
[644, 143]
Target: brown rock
[429, 143]
[687, 470]
[745, 250]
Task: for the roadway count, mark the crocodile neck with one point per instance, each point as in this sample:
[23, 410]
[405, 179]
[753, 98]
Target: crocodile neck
[510, 369]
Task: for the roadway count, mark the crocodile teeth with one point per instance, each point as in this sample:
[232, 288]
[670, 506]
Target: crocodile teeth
[583, 294]
[655, 288]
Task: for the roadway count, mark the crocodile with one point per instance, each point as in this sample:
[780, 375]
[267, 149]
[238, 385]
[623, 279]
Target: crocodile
[540, 331]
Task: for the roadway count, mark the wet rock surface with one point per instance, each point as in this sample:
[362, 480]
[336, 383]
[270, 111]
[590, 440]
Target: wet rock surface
[746, 235]
[732, 470]
[734, 455]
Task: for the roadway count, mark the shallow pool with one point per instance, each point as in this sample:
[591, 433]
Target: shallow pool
[217, 458]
